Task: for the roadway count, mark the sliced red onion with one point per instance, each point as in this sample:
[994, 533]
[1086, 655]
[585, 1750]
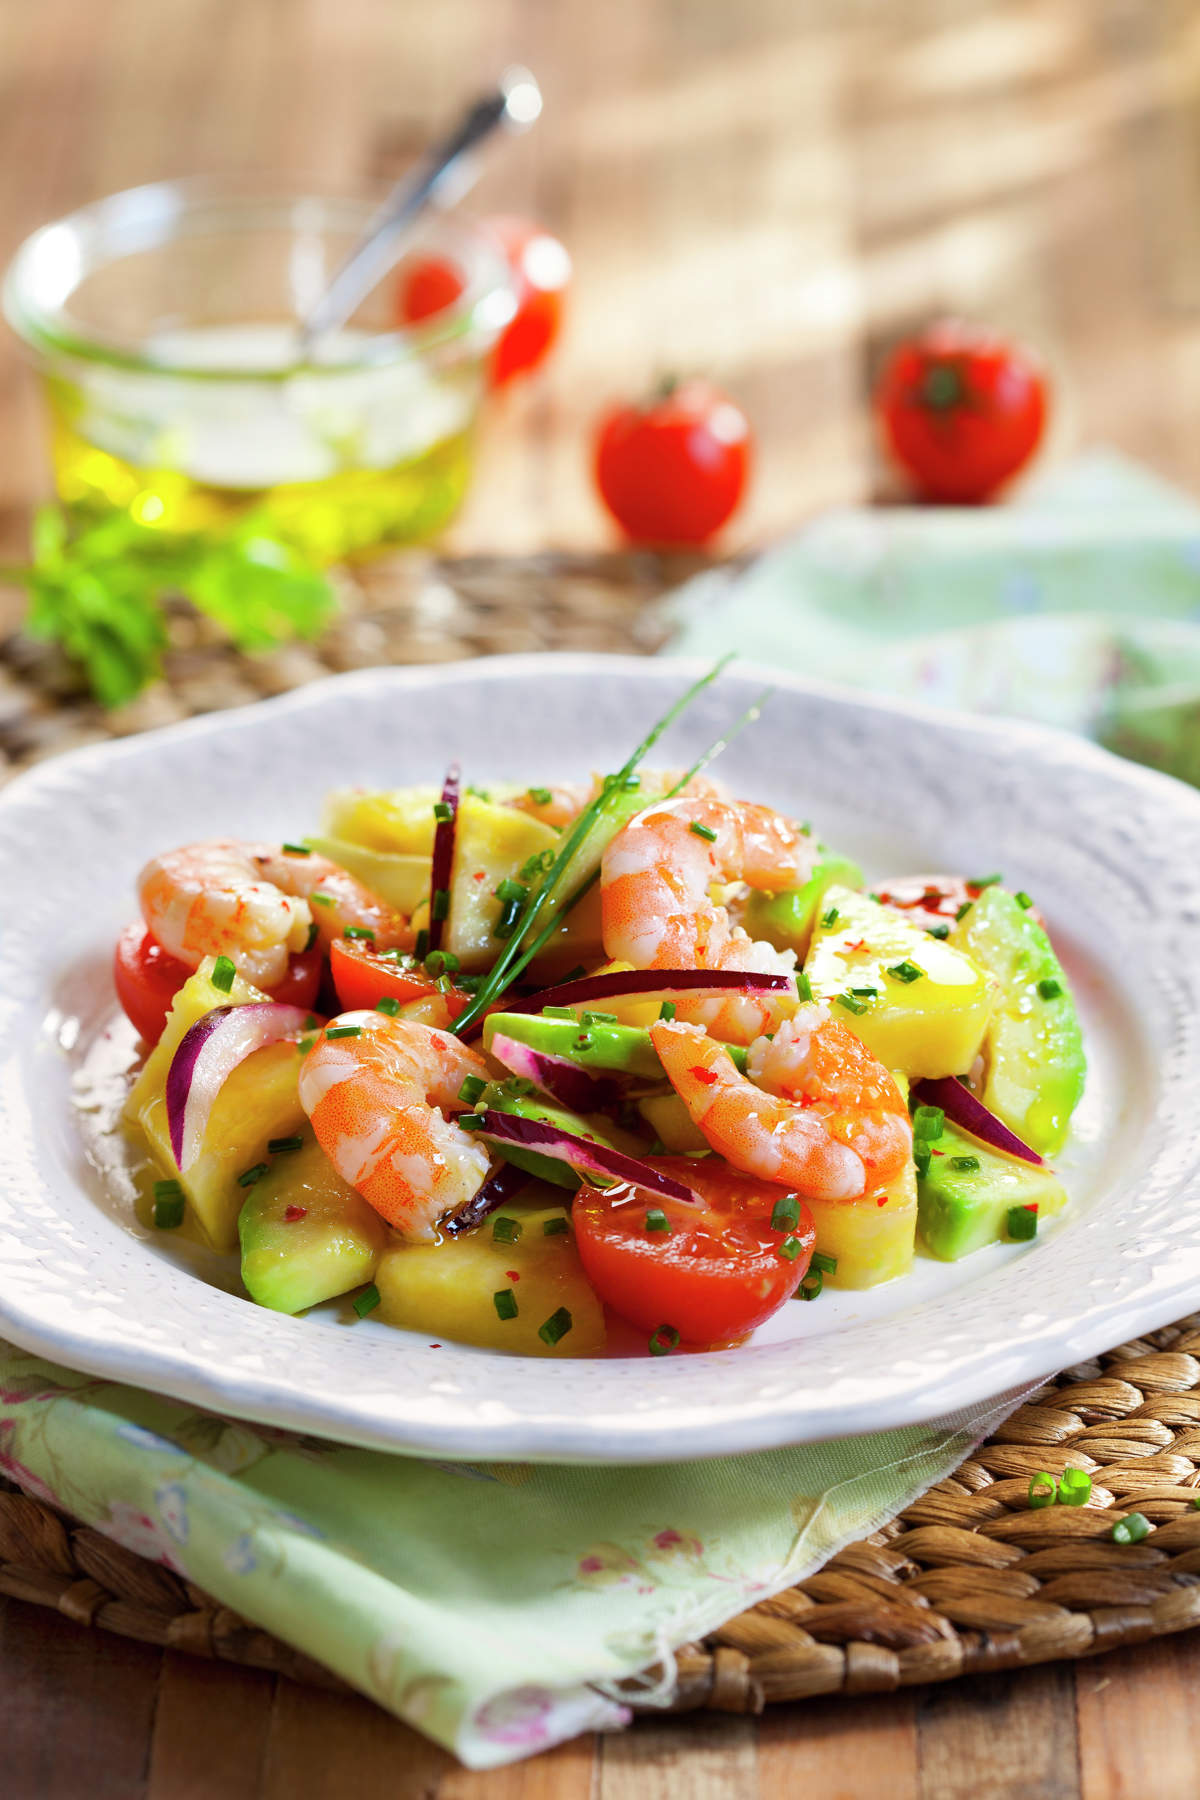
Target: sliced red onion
[581, 1153]
[562, 1079]
[207, 1055]
[443, 854]
[964, 1108]
[498, 1188]
[651, 982]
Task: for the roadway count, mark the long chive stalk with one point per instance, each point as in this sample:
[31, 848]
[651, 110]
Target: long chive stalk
[752, 712]
[513, 959]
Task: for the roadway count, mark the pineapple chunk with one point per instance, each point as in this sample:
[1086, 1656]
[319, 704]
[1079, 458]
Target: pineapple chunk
[402, 880]
[258, 1102]
[491, 843]
[873, 1238]
[398, 822]
[929, 1026]
[448, 1290]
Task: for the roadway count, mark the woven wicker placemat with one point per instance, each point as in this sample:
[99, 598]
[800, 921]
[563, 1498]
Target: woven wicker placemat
[966, 1580]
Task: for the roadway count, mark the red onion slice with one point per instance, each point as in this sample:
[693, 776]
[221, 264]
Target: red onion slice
[581, 1153]
[563, 1080]
[964, 1108]
[652, 982]
[499, 1187]
[207, 1055]
[443, 855]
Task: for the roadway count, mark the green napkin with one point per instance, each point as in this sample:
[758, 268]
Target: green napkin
[1078, 605]
[498, 1608]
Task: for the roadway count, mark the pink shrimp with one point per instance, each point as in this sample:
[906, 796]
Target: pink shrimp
[658, 911]
[815, 1110]
[257, 904]
[378, 1101]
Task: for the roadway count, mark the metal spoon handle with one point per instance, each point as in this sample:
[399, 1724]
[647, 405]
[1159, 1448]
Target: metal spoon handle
[446, 171]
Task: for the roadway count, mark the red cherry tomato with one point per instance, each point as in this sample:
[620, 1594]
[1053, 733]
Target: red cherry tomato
[716, 1274]
[961, 411]
[672, 472]
[541, 271]
[363, 976]
[147, 980]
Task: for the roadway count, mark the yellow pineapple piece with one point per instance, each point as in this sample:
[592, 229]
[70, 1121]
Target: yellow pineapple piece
[928, 1026]
[874, 1238]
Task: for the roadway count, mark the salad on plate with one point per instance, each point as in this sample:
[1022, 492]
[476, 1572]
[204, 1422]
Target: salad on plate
[572, 1067]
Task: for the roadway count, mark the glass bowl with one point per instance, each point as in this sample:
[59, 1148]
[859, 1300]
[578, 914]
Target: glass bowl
[163, 320]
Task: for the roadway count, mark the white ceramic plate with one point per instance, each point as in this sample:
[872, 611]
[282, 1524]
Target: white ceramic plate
[1110, 851]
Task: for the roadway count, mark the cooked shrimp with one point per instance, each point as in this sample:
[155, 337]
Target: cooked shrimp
[251, 902]
[814, 1111]
[558, 805]
[657, 908]
[377, 1100]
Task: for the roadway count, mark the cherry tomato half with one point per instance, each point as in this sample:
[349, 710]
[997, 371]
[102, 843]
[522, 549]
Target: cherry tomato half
[672, 472]
[363, 976]
[961, 411]
[147, 980]
[716, 1274]
[541, 272]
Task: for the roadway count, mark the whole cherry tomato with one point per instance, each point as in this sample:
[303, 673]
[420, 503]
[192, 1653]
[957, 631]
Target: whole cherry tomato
[147, 980]
[717, 1271]
[541, 271]
[961, 411]
[672, 472]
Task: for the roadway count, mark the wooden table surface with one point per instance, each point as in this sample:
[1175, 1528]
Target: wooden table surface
[769, 191]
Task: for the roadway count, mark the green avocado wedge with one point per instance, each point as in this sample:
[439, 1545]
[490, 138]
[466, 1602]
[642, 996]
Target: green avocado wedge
[961, 1207]
[626, 1049]
[1033, 1049]
[306, 1235]
[786, 920]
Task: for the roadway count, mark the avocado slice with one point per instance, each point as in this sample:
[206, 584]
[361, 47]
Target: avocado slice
[625, 1048]
[330, 1244]
[786, 920]
[1033, 1048]
[960, 1209]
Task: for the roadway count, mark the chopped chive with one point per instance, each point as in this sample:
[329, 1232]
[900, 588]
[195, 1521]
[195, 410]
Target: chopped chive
[441, 962]
[421, 947]
[985, 881]
[1074, 1487]
[443, 812]
[963, 910]
[556, 1326]
[504, 1229]
[790, 1248]
[863, 993]
[1022, 1223]
[906, 971]
[248, 1177]
[965, 1163]
[538, 864]
[1049, 988]
[559, 1012]
[471, 1089]
[388, 1004]
[439, 908]
[1132, 1529]
[167, 1190]
[312, 935]
[321, 899]
[922, 1157]
[359, 931]
[311, 1023]
[803, 986]
[281, 1146]
[367, 1301]
[168, 1212]
[597, 1018]
[929, 1122]
[297, 849]
[555, 1227]
[305, 1045]
[480, 793]
[471, 1121]
[850, 1003]
[343, 1031]
[1043, 1489]
[811, 1284]
[1022, 899]
[541, 796]
[826, 1264]
[667, 1010]
[657, 1220]
[786, 1213]
[223, 973]
[506, 924]
[702, 831]
[938, 931]
[829, 918]
[663, 1340]
[505, 1303]
[510, 890]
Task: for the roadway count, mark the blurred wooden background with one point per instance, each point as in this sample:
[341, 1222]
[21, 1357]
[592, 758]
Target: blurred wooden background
[768, 191]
